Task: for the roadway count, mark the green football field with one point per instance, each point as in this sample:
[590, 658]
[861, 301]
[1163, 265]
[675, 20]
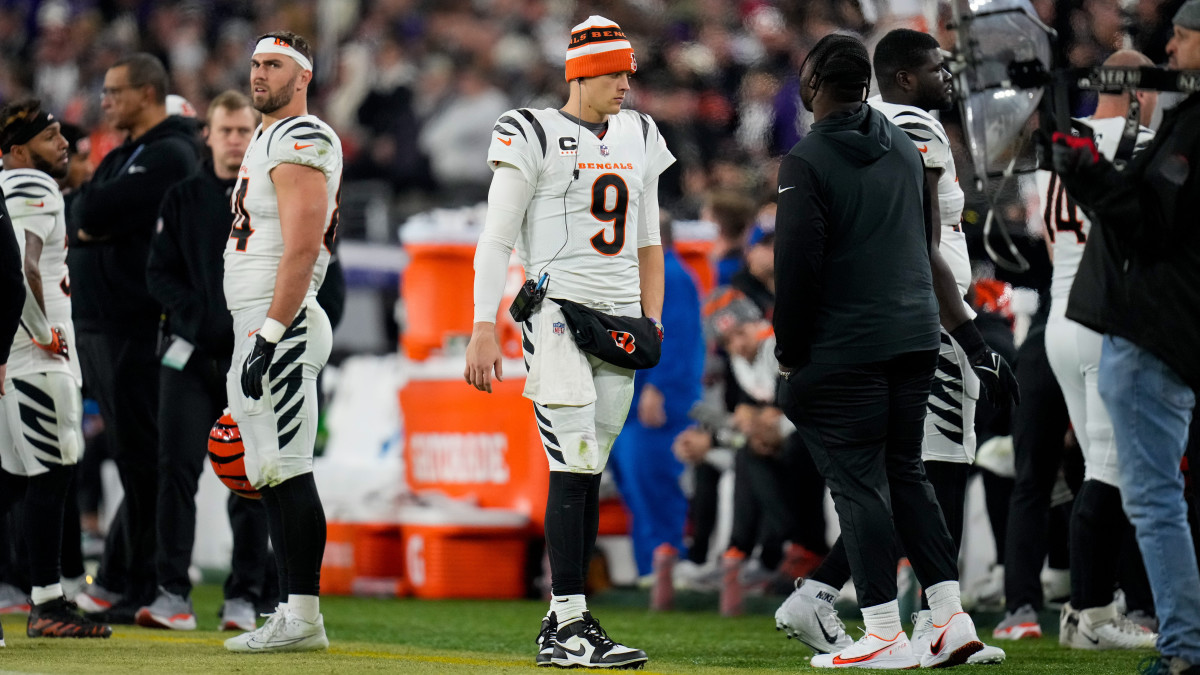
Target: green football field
[422, 636]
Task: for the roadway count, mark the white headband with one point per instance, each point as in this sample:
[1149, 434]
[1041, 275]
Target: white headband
[270, 45]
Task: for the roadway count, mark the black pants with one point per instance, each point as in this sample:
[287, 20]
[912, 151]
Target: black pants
[190, 402]
[864, 424]
[1039, 425]
[778, 498]
[121, 374]
[702, 511]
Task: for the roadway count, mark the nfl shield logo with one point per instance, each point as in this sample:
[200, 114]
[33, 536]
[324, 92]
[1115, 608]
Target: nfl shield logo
[604, 150]
[559, 328]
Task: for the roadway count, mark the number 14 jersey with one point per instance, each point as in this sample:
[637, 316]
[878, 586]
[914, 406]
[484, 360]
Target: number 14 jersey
[584, 232]
[255, 243]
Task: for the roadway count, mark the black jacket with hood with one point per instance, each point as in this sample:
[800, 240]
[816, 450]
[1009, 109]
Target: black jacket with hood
[118, 208]
[852, 277]
[1140, 274]
[186, 270]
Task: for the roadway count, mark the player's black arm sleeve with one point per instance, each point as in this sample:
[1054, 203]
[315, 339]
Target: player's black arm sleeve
[801, 224]
[167, 273]
[12, 283]
[129, 202]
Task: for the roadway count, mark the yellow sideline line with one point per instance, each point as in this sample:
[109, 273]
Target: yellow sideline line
[337, 651]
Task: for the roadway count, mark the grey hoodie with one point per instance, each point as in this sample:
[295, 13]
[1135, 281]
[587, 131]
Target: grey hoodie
[852, 277]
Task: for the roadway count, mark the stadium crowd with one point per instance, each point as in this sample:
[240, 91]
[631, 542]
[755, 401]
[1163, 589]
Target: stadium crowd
[410, 86]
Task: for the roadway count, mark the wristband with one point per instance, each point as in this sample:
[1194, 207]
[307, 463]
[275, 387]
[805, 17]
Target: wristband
[272, 331]
[969, 338]
[657, 326]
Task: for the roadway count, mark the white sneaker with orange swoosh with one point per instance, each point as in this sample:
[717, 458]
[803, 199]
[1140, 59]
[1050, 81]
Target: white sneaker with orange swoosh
[952, 643]
[872, 652]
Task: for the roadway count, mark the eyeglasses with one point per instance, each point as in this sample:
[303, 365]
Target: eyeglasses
[109, 92]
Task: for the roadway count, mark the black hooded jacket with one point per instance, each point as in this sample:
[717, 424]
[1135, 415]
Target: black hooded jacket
[1140, 274]
[852, 276]
[118, 208]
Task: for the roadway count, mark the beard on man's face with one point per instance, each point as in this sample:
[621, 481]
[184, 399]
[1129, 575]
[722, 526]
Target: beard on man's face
[277, 100]
[49, 168]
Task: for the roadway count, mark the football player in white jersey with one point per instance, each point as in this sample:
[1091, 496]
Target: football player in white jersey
[40, 435]
[575, 190]
[914, 83]
[285, 207]
[1101, 534]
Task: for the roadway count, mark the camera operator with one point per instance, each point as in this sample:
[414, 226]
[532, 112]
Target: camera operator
[1139, 285]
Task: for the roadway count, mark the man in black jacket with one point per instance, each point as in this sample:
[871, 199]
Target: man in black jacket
[185, 273]
[12, 291]
[1139, 285]
[114, 219]
[856, 322]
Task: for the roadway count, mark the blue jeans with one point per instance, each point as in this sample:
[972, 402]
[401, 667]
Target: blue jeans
[1151, 408]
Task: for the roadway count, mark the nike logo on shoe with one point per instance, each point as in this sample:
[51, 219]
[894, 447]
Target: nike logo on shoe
[839, 661]
[935, 647]
[574, 652]
[254, 643]
[831, 639]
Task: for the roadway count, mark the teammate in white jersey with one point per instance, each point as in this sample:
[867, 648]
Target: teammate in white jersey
[285, 207]
[40, 435]
[1101, 534]
[575, 190]
[913, 83]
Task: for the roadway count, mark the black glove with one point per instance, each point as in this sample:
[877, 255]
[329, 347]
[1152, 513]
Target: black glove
[995, 376]
[255, 367]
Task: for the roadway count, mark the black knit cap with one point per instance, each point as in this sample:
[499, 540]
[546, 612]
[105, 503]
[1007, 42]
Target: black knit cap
[840, 61]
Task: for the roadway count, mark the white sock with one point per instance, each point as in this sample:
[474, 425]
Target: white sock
[568, 607]
[305, 607]
[819, 591]
[883, 621]
[944, 601]
[44, 594]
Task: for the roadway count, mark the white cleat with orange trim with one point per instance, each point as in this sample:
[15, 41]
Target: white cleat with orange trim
[951, 644]
[872, 652]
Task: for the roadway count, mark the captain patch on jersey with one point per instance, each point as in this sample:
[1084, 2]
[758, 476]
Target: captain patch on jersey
[588, 226]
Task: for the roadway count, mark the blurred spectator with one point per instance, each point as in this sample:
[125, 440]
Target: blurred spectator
[733, 213]
[453, 141]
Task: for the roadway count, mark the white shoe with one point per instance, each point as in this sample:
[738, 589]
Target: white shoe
[871, 652]
[923, 634]
[282, 632]
[1102, 628]
[1019, 625]
[238, 614]
[813, 621]
[952, 643]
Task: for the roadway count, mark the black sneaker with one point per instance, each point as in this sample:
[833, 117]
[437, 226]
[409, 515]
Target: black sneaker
[123, 613]
[582, 643]
[60, 618]
[545, 640]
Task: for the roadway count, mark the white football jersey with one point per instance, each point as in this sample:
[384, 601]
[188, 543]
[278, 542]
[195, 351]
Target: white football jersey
[1066, 223]
[930, 138]
[584, 232]
[256, 240]
[36, 205]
